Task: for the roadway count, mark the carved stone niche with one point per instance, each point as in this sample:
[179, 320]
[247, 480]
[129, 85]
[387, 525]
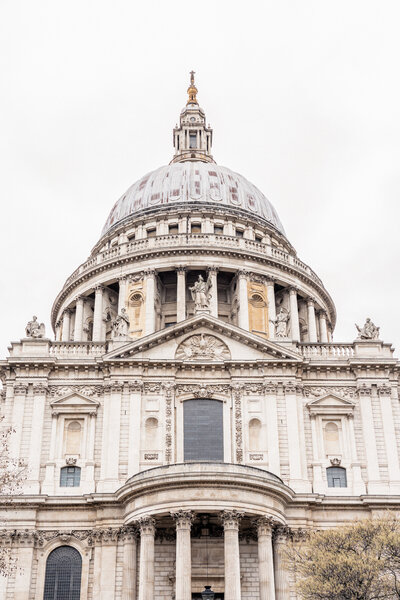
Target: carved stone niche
[203, 347]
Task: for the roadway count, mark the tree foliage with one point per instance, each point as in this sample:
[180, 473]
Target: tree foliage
[12, 475]
[360, 561]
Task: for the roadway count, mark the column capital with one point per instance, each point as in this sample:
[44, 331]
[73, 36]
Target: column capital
[183, 518]
[67, 312]
[270, 280]
[123, 279]
[311, 301]
[128, 533]
[147, 525]
[384, 390]
[99, 288]
[243, 273]
[265, 525]
[281, 534]
[181, 269]
[213, 270]
[231, 519]
[270, 387]
[79, 298]
[20, 389]
[364, 390]
[149, 272]
[40, 389]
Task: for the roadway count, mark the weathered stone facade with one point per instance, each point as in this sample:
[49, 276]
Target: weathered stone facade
[193, 293]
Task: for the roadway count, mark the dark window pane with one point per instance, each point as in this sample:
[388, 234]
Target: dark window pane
[203, 430]
[70, 477]
[63, 574]
[336, 477]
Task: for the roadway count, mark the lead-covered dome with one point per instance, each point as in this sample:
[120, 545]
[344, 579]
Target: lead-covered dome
[195, 181]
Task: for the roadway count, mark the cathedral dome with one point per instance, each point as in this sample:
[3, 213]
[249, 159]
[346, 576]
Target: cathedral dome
[196, 181]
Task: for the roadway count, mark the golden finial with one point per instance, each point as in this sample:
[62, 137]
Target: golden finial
[192, 90]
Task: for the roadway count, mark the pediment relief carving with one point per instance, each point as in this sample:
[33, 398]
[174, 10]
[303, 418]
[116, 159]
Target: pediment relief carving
[202, 347]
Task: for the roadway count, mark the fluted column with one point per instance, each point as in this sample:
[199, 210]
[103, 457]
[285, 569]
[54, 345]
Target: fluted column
[183, 582]
[121, 293]
[129, 536]
[78, 320]
[271, 308]
[323, 328]
[312, 324]
[150, 310]
[146, 568]
[231, 519]
[180, 294]
[294, 315]
[281, 574]
[213, 272]
[98, 314]
[66, 325]
[243, 317]
[265, 559]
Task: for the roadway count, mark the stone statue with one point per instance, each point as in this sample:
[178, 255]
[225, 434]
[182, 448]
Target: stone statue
[120, 326]
[281, 323]
[368, 332]
[34, 329]
[201, 294]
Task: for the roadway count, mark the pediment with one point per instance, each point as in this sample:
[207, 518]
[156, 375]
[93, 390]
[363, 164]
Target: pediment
[74, 403]
[203, 338]
[331, 404]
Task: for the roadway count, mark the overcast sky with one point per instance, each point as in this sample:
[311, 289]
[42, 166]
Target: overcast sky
[304, 99]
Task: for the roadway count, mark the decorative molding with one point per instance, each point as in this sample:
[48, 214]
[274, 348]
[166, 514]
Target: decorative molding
[85, 390]
[152, 387]
[317, 391]
[151, 456]
[202, 391]
[38, 538]
[40, 389]
[364, 390]
[183, 518]
[147, 525]
[168, 390]
[384, 390]
[231, 518]
[237, 400]
[20, 389]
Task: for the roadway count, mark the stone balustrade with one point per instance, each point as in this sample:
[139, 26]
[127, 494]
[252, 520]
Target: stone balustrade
[209, 240]
[327, 350]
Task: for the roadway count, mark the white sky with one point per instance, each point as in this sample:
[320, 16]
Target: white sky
[303, 97]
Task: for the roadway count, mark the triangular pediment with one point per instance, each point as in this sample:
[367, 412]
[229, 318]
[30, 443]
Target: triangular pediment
[203, 337]
[74, 402]
[331, 404]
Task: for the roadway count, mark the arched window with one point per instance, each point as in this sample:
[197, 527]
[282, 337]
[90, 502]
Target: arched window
[255, 434]
[336, 477]
[70, 477]
[73, 438]
[63, 574]
[331, 438]
[203, 437]
[151, 434]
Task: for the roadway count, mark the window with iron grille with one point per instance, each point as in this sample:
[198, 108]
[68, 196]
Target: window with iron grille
[203, 437]
[63, 574]
[70, 477]
[336, 477]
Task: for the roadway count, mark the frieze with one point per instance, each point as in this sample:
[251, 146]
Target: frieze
[202, 347]
[38, 538]
[317, 391]
[203, 391]
[151, 456]
[85, 390]
[152, 387]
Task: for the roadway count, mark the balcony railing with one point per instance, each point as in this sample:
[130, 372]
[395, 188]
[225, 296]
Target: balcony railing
[200, 240]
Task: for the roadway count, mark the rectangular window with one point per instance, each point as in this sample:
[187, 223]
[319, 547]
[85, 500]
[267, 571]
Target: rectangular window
[193, 140]
[70, 477]
[151, 233]
[195, 228]
[203, 432]
[173, 229]
[218, 229]
[239, 233]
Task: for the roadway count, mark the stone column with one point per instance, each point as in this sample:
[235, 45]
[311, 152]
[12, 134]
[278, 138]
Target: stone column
[312, 324]
[265, 559]
[243, 317]
[23, 571]
[183, 581]
[358, 483]
[212, 273]
[129, 536]
[109, 540]
[180, 294]
[231, 519]
[385, 396]
[371, 452]
[17, 418]
[318, 482]
[294, 315]
[98, 314]
[111, 436]
[35, 445]
[78, 320]
[150, 309]
[281, 575]
[323, 328]
[271, 418]
[122, 293]
[135, 415]
[58, 331]
[66, 325]
[271, 308]
[146, 568]
[295, 439]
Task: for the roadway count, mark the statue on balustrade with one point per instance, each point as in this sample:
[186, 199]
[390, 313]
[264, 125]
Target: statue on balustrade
[120, 326]
[34, 329]
[201, 294]
[281, 324]
[368, 332]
